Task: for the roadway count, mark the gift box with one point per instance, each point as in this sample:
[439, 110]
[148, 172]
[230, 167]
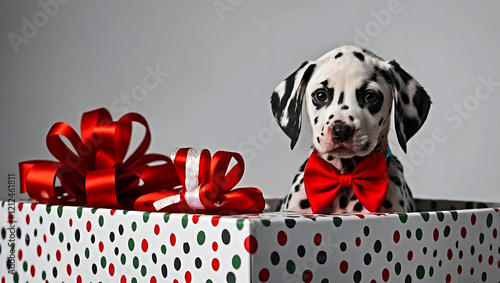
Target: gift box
[444, 242]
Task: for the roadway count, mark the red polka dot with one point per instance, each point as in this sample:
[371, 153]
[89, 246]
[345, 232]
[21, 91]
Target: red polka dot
[144, 245]
[215, 220]
[89, 226]
[463, 232]
[385, 275]
[32, 271]
[264, 275]
[28, 219]
[459, 269]
[362, 216]
[172, 239]
[39, 250]
[215, 264]
[344, 266]
[409, 256]
[251, 244]
[373, 281]
[450, 254]
[473, 219]
[307, 276]
[358, 241]
[215, 246]
[195, 218]
[20, 255]
[111, 269]
[317, 239]
[490, 260]
[436, 235]
[71, 222]
[123, 279]
[448, 278]
[101, 246]
[79, 279]
[495, 233]
[480, 258]
[44, 238]
[176, 281]
[282, 238]
[112, 211]
[20, 206]
[157, 229]
[68, 269]
[33, 205]
[152, 280]
[472, 271]
[187, 277]
[58, 255]
[396, 236]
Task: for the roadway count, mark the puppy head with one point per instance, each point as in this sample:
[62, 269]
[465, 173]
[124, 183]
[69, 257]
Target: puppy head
[348, 94]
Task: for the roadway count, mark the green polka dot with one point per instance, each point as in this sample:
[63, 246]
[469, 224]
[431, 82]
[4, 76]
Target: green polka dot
[266, 222]
[481, 238]
[403, 217]
[209, 281]
[87, 253]
[166, 217]
[236, 262]
[425, 216]
[418, 234]
[482, 205]
[440, 216]
[337, 221]
[290, 267]
[48, 257]
[48, 208]
[145, 217]
[44, 275]
[163, 249]
[59, 211]
[125, 212]
[135, 262]
[101, 221]
[134, 226]
[200, 238]
[103, 262]
[144, 270]
[325, 281]
[131, 244]
[134, 280]
[184, 221]
[25, 266]
[397, 268]
[61, 237]
[93, 210]
[431, 271]
[454, 215]
[489, 220]
[79, 211]
[16, 277]
[123, 259]
[230, 278]
[239, 224]
[420, 272]
[41, 220]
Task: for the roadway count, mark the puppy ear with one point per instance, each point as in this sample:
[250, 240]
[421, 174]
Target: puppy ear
[286, 101]
[411, 102]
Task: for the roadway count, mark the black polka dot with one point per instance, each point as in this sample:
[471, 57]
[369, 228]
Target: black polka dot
[94, 268]
[186, 248]
[473, 250]
[154, 258]
[9, 264]
[366, 231]
[77, 260]
[4, 233]
[230, 277]
[424, 250]
[434, 254]
[164, 272]
[117, 250]
[343, 246]
[408, 278]
[54, 272]
[18, 233]
[275, 258]
[226, 237]
[484, 277]
[77, 235]
[92, 239]
[446, 231]
[68, 247]
[35, 232]
[377, 246]
[301, 251]
[112, 237]
[27, 239]
[321, 257]
[456, 244]
[177, 263]
[197, 262]
[460, 254]
[290, 223]
[408, 234]
[357, 276]
[367, 259]
[120, 229]
[389, 256]
[52, 228]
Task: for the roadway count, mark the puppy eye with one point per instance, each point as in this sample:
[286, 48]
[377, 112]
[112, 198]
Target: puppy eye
[371, 96]
[320, 96]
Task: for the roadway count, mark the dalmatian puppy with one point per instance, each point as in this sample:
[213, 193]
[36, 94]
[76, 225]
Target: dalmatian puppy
[349, 94]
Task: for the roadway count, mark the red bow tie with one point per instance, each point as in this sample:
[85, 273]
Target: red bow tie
[369, 180]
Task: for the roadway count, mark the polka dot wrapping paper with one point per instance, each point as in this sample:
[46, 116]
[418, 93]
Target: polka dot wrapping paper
[448, 242]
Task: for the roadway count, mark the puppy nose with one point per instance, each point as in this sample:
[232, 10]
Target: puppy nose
[341, 131]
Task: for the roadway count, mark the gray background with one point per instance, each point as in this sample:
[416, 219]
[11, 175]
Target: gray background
[225, 57]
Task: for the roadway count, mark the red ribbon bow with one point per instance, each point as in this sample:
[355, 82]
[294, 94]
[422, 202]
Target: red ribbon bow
[369, 180]
[206, 187]
[97, 173]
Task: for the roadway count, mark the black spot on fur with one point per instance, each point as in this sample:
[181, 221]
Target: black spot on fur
[343, 202]
[303, 166]
[297, 188]
[341, 98]
[331, 117]
[387, 204]
[295, 178]
[379, 122]
[354, 197]
[404, 97]
[395, 180]
[351, 118]
[317, 138]
[304, 204]
[360, 56]
[316, 120]
[422, 102]
[358, 207]
[402, 73]
[344, 107]
[338, 55]
[329, 158]
[401, 203]
[372, 107]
